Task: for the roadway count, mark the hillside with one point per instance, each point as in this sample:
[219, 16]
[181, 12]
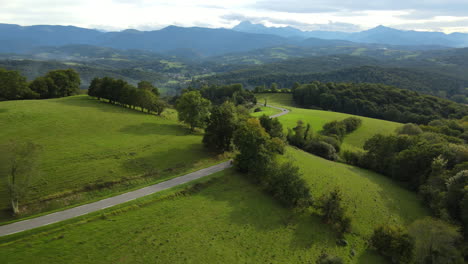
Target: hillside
[420, 76]
[92, 149]
[317, 118]
[226, 220]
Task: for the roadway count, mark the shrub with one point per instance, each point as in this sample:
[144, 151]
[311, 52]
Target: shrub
[409, 129]
[333, 212]
[258, 109]
[352, 157]
[393, 242]
[286, 185]
[334, 128]
[352, 123]
[322, 149]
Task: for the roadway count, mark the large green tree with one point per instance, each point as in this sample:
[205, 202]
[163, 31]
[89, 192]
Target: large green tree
[221, 126]
[256, 149]
[193, 109]
[13, 86]
[57, 83]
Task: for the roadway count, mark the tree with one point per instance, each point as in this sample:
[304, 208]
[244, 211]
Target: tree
[274, 87]
[393, 242]
[272, 126]
[18, 167]
[64, 83]
[435, 241]
[159, 106]
[333, 212]
[222, 123]
[193, 109]
[13, 86]
[146, 100]
[256, 149]
[148, 86]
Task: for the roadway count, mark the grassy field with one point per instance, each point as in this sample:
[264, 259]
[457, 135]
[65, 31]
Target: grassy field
[87, 144]
[317, 119]
[227, 221]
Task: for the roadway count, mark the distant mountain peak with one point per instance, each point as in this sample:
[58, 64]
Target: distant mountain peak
[382, 28]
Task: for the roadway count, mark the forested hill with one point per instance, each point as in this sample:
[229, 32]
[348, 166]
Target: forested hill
[377, 101]
[411, 79]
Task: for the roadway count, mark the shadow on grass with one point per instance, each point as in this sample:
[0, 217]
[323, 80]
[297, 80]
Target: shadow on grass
[90, 102]
[144, 129]
[3, 110]
[251, 208]
[168, 162]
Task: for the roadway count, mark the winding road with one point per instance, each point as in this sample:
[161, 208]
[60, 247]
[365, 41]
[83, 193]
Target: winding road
[116, 200]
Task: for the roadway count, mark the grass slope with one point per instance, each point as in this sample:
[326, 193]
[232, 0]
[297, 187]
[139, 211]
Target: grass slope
[317, 118]
[90, 144]
[227, 221]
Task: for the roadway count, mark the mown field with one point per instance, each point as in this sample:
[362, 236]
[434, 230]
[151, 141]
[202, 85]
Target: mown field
[88, 146]
[317, 118]
[228, 220]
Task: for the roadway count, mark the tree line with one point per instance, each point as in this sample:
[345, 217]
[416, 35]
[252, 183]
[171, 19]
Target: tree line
[145, 95]
[55, 84]
[377, 101]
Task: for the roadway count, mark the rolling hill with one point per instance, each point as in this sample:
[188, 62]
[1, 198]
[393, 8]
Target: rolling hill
[106, 149]
[226, 219]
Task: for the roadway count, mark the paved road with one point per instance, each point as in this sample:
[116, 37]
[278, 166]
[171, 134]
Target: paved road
[284, 111]
[115, 200]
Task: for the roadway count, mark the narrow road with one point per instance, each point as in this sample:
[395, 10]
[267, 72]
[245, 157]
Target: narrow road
[115, 200]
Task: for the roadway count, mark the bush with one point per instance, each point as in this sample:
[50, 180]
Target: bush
[258, 109]
[286, 185]
[352, 157]
[352, 123]
[334, 128]
[333, 212]
[332, 141]
[409, 129]
[322, 149]
[393, 242]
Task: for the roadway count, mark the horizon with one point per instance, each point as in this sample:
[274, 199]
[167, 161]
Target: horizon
[437, 16]
[229, 28]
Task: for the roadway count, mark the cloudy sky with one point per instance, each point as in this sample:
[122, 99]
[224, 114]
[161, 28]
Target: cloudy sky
[340, 15]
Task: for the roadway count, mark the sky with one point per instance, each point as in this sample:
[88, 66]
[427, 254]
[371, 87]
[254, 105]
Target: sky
[334, 15]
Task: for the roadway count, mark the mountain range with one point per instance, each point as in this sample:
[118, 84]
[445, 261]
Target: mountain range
[378, 35]
[205, 42]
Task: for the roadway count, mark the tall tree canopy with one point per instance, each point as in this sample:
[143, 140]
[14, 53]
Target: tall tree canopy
[193, 109]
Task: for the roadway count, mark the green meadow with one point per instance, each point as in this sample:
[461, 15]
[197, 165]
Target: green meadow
[91, 149]
[317, 118]
[226, 219]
